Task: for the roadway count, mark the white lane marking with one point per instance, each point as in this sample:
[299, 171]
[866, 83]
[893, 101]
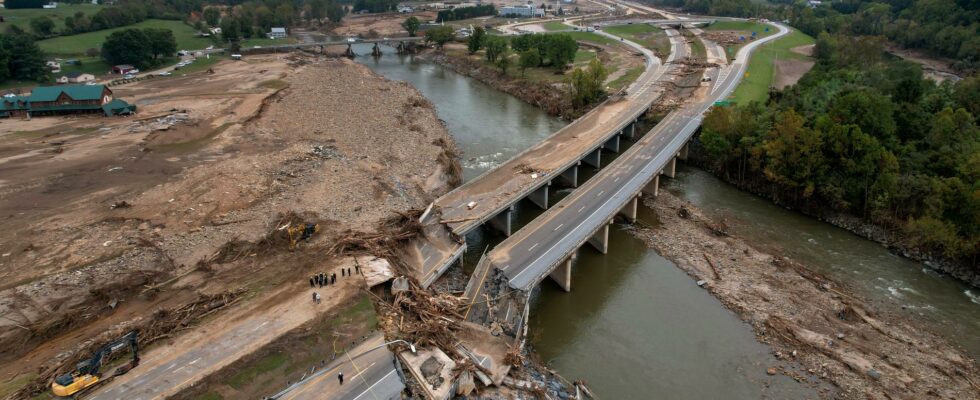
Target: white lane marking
[559, 226]
[532, 247]
[383, 378]
[426, 259]
[199, 358]
[580, 210]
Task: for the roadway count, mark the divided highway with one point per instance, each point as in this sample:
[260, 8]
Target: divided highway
[534, 251]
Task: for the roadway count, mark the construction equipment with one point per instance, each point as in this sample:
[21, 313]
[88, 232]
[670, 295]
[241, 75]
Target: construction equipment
[298, 232]
[86, 373]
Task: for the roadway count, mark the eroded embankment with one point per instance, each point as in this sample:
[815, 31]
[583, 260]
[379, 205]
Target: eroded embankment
[893, 237]
[808, 319]
[548, 97]
[339, 145]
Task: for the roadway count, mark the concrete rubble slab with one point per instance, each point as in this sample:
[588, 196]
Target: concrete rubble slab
[430, 366]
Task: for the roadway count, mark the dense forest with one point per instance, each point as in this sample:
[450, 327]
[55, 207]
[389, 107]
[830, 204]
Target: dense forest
[456, 14]
[865, 134]
[948, 28]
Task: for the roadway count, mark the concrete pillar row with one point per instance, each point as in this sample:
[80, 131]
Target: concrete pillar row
[612, 144]
[629, 131]
[671, 169]
[540, 196]
[682, 154]
[570, 176]
[594, 158]
[502, 221]
[562, 274]
[629, 210]
[653, 188]
[600, 240]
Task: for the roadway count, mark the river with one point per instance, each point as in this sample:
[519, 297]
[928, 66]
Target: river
[634, 324]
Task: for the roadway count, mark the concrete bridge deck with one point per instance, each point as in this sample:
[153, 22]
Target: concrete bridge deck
[547, 245]
[528, 174]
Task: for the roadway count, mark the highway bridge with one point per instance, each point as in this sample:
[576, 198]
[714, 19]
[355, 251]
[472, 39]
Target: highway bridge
[393, 42]
[547, 245]
[490, 198]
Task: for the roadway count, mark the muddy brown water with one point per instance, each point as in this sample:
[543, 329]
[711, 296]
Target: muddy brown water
[634, 325]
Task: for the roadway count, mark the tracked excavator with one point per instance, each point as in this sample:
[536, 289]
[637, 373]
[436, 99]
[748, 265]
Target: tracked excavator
[86, 373]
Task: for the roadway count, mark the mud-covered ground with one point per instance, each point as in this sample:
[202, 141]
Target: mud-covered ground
[808, 319]
[110, 219]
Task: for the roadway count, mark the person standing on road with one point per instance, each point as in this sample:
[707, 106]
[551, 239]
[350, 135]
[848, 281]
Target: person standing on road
[312, 284]
[340, 377]
[316, 297]
[333, 277]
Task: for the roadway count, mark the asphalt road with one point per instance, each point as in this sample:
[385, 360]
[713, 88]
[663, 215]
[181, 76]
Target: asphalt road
[369, 374]
[529, 255]
[500, 187]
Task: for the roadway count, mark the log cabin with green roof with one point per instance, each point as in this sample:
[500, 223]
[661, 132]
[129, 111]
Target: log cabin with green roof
[66, 99]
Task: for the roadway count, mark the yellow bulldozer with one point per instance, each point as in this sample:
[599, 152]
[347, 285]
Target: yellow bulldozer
[86, 373]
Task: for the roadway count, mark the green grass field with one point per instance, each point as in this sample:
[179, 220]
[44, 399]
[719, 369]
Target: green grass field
[761, 72]
[744, 28]
[626, 79]
[646, 35]
[264, 41]
[589, 37]
[555, 26]
[91, 65]
[22, 17]
[77, 44]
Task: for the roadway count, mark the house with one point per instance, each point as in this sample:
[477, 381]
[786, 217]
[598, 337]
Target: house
[277, 33]
[405, 9]
[123, 69]
[521, 11]
[69, 99]
[54, 66]
[51, 5]
[79, 77]
[215, 31]
[814, 3]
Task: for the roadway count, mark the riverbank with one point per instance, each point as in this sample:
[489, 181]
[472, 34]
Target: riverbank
[808, 319]
[190, 199]
[548, 97]
[892, 238]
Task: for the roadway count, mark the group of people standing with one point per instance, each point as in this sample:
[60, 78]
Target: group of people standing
[320, 280]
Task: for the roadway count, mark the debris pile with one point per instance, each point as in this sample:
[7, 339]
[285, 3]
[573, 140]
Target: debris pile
[325, 152]
[163, 324]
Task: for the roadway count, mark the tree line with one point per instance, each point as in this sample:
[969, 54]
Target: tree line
[122, 14]
[144, 48]
[864, 134]
[466, 12]
[256, 18]
[21, 58]
[375, 6]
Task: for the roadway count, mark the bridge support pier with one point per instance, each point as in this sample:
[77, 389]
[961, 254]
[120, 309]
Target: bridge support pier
[594, 158]
[502, 221]
[682, 154]
[629, 131]
[600, 240]
[653, 188]
[629, 210]
[562, 275]
[540, 196]
[376, 51]
[612, 144]
[671, 168]
[570, 176]
[349, 53]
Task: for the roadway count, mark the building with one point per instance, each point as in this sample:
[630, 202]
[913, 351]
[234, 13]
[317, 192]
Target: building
[123, 69]
[277, 33]
[76, 77]
[50, 6]
[60, 100]
[405, 9]
[54, 66]
[521, 11]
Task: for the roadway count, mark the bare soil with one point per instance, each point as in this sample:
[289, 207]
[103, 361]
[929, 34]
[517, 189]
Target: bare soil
[378, 25]
[788, 72]
[808, 319]
[106, 214]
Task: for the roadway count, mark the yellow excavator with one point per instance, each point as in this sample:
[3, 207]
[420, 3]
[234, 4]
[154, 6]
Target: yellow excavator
[300, 232]
[86, 373]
